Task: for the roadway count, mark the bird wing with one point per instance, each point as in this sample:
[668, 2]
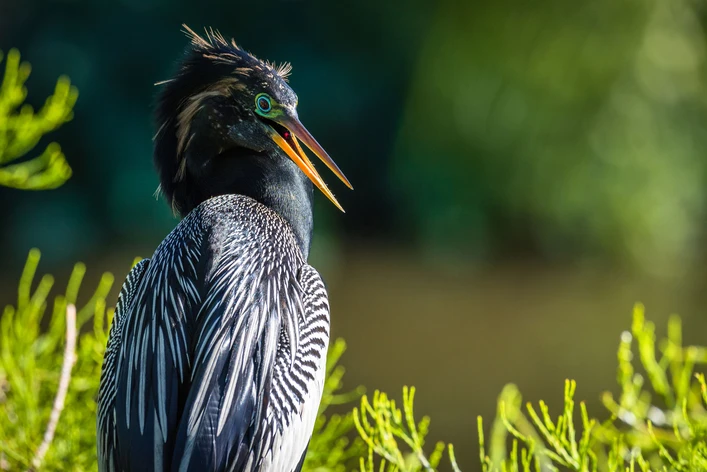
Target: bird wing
[217, 360]
[297, 386]
[150, 372]
[106, 392]
[252, 312]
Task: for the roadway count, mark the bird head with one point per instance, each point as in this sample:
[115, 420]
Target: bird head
[224, 101]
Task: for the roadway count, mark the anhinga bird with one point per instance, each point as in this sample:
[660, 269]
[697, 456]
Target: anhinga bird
[217, 351]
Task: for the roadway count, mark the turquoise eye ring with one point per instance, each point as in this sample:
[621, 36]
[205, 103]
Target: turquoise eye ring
[262, 101]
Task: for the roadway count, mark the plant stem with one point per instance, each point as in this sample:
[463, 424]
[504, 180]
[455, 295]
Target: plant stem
[60, 398]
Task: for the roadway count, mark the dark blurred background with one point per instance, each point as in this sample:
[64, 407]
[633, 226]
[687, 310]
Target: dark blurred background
[524, 172]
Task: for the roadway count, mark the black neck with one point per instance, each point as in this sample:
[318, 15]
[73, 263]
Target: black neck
[274, 181]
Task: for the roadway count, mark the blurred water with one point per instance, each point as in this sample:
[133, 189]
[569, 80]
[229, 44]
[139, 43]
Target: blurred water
[459, 336]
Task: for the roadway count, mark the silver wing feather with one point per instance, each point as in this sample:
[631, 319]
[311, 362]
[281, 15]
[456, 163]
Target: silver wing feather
[106, 392]
[219, 358]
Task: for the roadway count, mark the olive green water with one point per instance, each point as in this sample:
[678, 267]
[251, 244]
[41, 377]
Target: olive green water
[460, 335]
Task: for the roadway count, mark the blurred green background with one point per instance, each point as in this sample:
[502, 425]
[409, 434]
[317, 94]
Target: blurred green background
[524, 172]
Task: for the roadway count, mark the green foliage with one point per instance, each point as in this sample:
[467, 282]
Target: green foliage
[383, 427]
[331, 447]
[539, 443]
[658, 425]
[32, 342]
[21, 129]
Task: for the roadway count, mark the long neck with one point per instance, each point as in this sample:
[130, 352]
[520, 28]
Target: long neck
[274, 181]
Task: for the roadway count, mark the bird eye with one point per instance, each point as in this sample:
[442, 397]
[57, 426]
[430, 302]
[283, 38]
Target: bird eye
[262, 101]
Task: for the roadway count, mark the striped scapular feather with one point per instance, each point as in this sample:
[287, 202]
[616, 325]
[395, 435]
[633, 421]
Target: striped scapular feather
[217, 352]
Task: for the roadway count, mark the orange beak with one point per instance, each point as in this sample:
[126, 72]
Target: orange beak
[291, 146]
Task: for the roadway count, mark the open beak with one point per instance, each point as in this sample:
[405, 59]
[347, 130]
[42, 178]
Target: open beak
[287, 139]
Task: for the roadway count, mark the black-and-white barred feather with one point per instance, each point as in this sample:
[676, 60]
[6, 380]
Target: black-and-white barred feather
[217, 352]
